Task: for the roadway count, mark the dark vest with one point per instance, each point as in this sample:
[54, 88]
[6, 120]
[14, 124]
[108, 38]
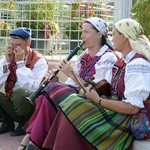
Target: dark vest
[33, 57]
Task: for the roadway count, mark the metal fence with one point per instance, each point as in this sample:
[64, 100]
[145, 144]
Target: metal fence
[55, 24]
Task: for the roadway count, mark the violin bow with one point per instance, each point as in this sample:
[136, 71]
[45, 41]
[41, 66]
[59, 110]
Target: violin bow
[78, 81]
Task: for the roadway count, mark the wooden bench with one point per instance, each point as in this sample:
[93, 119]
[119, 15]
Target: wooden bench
[141, 145]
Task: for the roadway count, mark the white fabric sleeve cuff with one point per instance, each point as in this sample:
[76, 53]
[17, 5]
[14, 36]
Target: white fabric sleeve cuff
[135, 101]
[20, 64]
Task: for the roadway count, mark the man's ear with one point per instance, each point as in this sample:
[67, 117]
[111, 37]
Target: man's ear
[28, 42]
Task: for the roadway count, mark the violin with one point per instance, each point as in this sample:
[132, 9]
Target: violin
[103, 88]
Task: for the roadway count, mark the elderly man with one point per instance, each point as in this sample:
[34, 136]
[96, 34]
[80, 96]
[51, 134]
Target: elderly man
[21, 72]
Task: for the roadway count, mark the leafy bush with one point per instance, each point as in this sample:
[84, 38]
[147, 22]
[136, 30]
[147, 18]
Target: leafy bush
[36, 15]
[141, 10]
[4, 28]
[73, 30]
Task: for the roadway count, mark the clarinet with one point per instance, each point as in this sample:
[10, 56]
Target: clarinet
[35, 94]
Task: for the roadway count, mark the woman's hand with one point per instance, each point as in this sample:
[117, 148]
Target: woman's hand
[66, 68]
[92, 94]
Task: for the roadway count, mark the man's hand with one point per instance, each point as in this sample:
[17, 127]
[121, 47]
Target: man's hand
[19, 53]
[9, 55]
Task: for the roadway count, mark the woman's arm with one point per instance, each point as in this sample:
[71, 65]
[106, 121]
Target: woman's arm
[117, 106]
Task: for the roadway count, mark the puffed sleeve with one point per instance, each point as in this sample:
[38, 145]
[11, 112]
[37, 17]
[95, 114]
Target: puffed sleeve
[104, 65]
[137, 82]
[31, 79]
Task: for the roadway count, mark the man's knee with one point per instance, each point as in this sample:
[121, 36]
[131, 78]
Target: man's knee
[20, 103]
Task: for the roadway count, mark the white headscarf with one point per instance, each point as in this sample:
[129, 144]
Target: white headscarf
[101, 26]
[134, 32]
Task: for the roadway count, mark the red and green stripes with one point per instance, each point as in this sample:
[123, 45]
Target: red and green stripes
[103, 128]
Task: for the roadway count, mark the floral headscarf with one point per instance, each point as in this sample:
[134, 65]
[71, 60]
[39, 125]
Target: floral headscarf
[99, 24]
[134, 32]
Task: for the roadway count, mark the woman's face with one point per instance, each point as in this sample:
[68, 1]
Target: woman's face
[118, 40]
[89, 35]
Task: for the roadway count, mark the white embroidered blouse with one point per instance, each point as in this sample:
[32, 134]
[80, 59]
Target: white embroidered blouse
[137, 80]
[102, 66]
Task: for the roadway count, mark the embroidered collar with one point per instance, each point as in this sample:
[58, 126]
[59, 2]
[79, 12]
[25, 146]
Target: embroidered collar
[100, 52]
[129, 56]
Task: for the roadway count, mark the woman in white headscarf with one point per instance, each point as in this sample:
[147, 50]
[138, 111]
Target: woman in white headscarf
[91, 122]
[95, 61]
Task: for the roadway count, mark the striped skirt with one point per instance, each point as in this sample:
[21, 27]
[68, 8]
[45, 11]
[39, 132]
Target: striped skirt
[58, 91]
[103, 128]
[46, 110]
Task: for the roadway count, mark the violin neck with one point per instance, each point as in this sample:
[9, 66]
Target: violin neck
[78, 81]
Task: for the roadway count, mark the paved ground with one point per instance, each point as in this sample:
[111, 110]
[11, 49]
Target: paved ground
[8, 142]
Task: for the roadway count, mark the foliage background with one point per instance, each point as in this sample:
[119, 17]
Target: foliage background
[141, 10]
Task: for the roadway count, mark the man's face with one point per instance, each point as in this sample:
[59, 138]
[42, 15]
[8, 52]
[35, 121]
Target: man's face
[14, 42]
